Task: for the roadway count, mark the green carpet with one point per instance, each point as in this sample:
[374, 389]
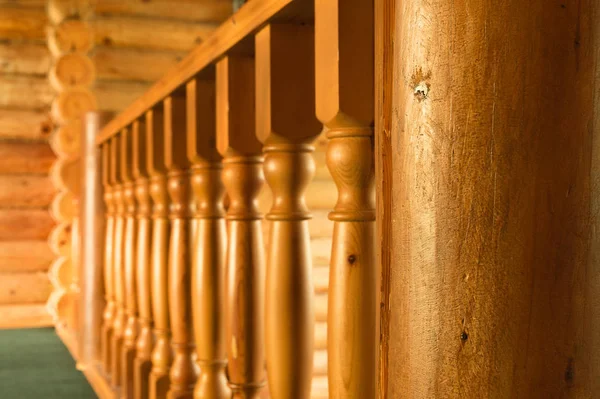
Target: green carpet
[34, 363]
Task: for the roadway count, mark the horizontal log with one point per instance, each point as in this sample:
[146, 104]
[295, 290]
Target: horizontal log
[72, 70]
[321, 279]
[21, 288]
[66, 175]
[320, 307]
[320, 195]
[71, 35]
[320, 226]
[23, 316]
[320, 335]
[72, 104]
[61, 273]
[18, 23]
[59, 10]
[320, 362]
[26, 125]
[26, 92]
[116, 96]
[24, 58]
[159, 34]
[321, 251]
[26, 191]
[25, 158]
[60, 241]
[62, 209]
[133, 64]
[25, 256]
[320, 388]
[25, 224]
[191, 10]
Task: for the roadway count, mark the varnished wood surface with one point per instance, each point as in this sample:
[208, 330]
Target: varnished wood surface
[493, 277]
[230, 32]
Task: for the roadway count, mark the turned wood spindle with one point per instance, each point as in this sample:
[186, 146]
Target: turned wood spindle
[208, 262]
[129, 272]
[118, 260]
[243, 178]
[162, 354]
[184, 370]
[287, 125]
[145, 340]
[345, 102]
[109, 309]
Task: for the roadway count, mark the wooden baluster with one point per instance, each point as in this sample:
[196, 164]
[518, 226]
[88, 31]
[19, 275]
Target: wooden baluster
[144, 344]
[118, 261]
[129, 272]
[184, 370]
[286, 124]
[208, 266]
[109, 309]
[162, 355]
[344, 76]
[243, 178]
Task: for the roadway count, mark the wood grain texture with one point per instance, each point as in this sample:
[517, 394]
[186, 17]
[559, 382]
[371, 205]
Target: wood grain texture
[24, 58]
[23, 288]
[23, 316]
[25, 224]
[25, 124]
[493, 278]
[17, 23]
[132, 64]
[26, 191]
[25, 158]
[189, 10]
[25, 256]
[25, 92]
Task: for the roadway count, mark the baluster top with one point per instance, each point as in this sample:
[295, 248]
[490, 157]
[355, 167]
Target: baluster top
[201, 123]
[139, 161]
[154, 141]
[175, 140]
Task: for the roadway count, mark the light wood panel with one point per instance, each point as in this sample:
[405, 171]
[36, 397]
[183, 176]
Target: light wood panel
[21, 316]
[25, 191]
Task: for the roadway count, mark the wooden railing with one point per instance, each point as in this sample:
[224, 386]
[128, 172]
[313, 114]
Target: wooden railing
[196, 304]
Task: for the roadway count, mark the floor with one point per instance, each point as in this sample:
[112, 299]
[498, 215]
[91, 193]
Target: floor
[34, 363]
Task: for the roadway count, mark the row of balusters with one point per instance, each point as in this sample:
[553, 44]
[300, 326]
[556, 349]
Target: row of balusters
[194, 308]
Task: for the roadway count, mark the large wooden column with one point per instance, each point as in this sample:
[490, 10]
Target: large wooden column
[184, 371]
[129, 270]
[119, 320]
[345, 102]
[162, 355]
[489, 136]
[286, 124]
[109, 296]
[209, 243]
[243, 178]
[145, 339]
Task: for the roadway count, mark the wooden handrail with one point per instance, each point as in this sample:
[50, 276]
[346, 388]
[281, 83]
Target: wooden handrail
[230, 34]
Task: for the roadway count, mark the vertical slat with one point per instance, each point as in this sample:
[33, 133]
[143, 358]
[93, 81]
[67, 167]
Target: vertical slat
[209, 242]
[129, 273]
[345, 102]
[110, 307]
[162, 355]
[145, 340]
[184, 371]
[286, 124]
[118, 260]
[243, 178]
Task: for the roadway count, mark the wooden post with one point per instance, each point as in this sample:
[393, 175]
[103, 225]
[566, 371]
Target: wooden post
[110, 308]
[490, 130]
[287, 125]
[145, 340]
[345, 102]
[243, 178]
[129, 272]
[209, 243]
[162, 355]
[118, 259]
[184, 369]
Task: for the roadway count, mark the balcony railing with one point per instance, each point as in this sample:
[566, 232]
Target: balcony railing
[196, 305]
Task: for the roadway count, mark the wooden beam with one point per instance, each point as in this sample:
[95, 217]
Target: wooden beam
[144, 33]
[25, 256]
[116, 96]
[21, 288]
[25, 224]
[229, 34]
[26, 191]
[25, 158]
[24, 58]
[22, 23]
[26, 92]
[132, 64]
[189, 10]
[25, 124]
[23, 316]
